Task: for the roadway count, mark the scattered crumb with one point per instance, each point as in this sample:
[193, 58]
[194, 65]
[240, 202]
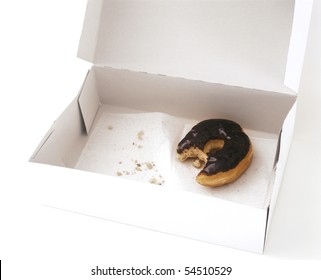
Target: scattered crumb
[110, 127]
[140, 135]
[138, 146]
[138, 168]
[153, 181]
[149, 165]
[156, 181]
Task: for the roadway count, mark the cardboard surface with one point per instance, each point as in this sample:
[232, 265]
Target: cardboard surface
[298, 42]
[153, 207]
[192, 99]
[243, 43]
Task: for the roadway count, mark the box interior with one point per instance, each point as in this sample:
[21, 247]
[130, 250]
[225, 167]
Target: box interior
[118, 128]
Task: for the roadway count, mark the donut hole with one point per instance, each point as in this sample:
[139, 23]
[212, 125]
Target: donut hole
[213, 145]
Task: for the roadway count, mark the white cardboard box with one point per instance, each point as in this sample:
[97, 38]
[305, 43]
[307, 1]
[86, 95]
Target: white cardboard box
[160, 67]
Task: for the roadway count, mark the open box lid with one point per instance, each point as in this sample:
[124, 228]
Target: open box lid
[252, 44]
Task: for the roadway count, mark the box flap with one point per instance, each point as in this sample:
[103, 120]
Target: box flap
[88, 101]
[89, 36]
[281, 157]
[298, 42]
[239, 43]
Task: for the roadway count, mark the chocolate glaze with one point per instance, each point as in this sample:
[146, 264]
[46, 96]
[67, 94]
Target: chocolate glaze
[236, 144]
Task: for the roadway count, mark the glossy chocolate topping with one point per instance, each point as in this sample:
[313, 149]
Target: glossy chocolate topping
[236, 144]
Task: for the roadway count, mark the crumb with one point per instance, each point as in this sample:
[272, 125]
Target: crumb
[138, 168]
[156, 181]
[120, 162]
[197, 163]
[140, 146]
[119, 173]
[140, 135]
[110, 127]
[149, 165]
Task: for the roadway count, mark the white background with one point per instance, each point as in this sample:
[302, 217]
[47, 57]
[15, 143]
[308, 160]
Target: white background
[40, 75]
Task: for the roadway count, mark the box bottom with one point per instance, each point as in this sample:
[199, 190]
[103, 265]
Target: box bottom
[142, 147]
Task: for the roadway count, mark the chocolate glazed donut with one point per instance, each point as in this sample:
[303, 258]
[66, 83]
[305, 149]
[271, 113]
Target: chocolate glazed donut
[221, 146]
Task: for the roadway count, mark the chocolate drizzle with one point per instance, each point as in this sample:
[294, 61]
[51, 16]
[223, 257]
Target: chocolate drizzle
[236, 144]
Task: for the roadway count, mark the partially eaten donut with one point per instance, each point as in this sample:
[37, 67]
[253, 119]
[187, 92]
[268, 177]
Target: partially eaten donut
[220, 147]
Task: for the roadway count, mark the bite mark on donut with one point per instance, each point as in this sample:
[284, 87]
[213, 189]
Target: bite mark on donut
[201, 155]
[193, 152]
